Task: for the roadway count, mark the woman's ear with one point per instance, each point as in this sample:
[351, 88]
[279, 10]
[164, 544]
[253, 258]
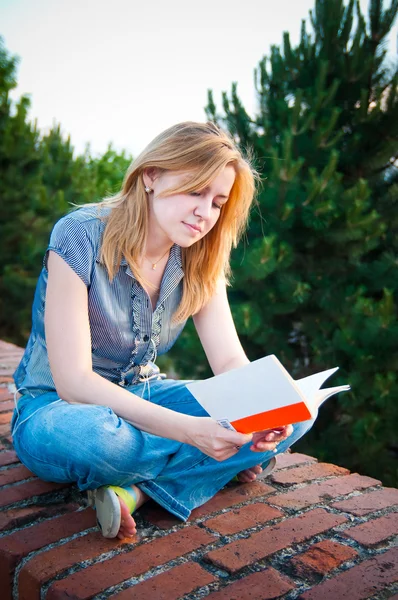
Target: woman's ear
[149, 175]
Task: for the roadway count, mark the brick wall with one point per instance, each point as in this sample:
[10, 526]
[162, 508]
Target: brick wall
[311, 530]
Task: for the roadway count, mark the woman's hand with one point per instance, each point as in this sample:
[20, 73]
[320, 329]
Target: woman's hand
[249, 475]
[268, 440]
[215, 441]
[263, 440]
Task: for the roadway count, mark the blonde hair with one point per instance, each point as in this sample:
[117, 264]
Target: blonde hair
[204, 150]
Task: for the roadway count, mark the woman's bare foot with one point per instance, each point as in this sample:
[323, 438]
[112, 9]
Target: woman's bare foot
[127, 523]
[249, 475]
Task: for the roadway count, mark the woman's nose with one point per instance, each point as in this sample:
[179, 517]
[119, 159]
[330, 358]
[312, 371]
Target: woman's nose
[203, 209]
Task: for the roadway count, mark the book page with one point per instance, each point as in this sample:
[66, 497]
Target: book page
[326, 393]
[311, 384]
[260, 386]
[314, 396]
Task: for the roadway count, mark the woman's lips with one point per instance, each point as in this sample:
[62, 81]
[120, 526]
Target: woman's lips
[193, 228]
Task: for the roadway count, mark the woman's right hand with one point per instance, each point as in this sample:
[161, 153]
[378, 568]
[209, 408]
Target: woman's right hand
[215, 441]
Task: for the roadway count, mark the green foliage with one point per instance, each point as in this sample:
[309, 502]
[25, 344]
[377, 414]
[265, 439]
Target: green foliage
[315, 281]
[40, 180]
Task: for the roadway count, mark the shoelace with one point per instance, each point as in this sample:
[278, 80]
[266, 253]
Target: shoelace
[146, 378]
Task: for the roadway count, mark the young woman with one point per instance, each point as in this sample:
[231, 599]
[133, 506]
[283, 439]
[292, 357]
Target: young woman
[119, 280]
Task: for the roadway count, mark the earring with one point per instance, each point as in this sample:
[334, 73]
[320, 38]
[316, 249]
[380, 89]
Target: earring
[148, 189]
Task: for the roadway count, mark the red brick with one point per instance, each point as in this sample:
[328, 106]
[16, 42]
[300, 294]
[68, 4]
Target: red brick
[306, 473]
[230, 496]
[6, 379]
[375, 531]
[5, 394]
[5, 369]
[315, 493]
[287, 459]
[223, 499]
[8, 457]
[16, 517]
[321, 558]
[367, 503]
[47, 565]
[4, 430]
[15, 546]
[158, 516]
[258, 546]
[8, 346]
[5, 417]
[14, 474]
[242, 518]
[265, 585]
[8, 364]
[9, 360]
[171, 585]
[92, 580]
[6, 405]
[26, 490]
[361, 581]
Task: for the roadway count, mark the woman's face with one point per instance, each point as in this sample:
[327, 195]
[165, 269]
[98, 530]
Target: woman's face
[185, 218]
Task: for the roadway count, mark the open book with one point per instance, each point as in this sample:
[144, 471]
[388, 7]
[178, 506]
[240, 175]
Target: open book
[262, 395]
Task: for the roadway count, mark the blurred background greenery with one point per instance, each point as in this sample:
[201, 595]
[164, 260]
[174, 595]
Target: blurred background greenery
[315, 278]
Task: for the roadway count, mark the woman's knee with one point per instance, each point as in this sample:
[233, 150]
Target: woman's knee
[91, 445]
[299, 430]
[72, 441]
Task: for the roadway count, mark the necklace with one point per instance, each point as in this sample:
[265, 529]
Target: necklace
[154, 264]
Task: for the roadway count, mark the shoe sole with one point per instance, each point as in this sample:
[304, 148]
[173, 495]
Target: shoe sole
[107, 506]
[268, 469]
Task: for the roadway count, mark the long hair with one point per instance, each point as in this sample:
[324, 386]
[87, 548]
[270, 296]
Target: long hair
[203, 150]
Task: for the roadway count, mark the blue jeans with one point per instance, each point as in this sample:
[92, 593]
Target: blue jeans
[91, 446]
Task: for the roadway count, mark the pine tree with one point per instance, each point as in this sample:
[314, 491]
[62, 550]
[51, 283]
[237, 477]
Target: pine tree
[316, 281]
[40, 180]
[108, 170]
[21, 190]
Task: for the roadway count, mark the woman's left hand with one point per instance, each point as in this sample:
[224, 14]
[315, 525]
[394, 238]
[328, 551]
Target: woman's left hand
[267, 441]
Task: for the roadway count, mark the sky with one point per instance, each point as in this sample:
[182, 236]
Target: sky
[122, 71]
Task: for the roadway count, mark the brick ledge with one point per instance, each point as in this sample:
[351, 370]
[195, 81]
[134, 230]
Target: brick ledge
[311, 530]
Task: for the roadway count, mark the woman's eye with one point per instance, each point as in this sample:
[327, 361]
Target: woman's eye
[195, 193]
[218, 206]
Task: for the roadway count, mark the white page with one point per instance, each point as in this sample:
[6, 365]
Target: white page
[314, 396]
[311, 384]
[262, 385]
[326, 393]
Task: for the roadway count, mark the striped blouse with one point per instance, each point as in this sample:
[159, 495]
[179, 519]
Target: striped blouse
[126, 334]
